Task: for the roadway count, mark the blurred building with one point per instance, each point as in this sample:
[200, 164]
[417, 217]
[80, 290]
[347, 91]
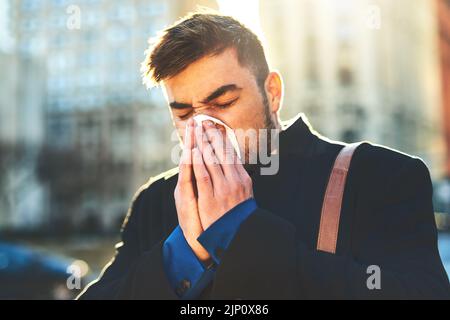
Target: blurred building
[6, 39]
[358, 69]
[361, 70]
[22, 198]
[443, 11]
[96, 106]
[442, 187]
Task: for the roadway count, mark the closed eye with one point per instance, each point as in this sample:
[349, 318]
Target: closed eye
[225, 105]
[184, 116]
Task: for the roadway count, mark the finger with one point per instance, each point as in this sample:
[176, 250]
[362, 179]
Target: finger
[215, 138]
[243, 174]
[189, 135]
[185, 168]
[212, 163]
[198, 136]
[202, 178]
[223, 149]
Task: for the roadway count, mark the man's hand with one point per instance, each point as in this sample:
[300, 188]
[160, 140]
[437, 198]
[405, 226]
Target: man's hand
[222, 182]
[185, 198]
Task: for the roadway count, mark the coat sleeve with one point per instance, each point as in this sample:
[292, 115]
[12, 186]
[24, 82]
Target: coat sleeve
[134, 272]
[398, 235]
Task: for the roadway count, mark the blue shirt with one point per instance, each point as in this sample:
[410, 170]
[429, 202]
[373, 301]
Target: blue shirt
[187, 275]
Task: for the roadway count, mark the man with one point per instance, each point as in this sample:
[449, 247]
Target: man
[212, 229]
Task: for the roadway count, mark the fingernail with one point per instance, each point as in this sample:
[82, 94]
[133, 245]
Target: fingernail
[208, 123]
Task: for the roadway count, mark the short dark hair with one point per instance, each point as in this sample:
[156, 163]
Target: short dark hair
[198, 35]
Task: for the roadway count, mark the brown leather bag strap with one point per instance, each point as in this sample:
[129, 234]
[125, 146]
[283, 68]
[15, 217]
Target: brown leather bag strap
[332, 203]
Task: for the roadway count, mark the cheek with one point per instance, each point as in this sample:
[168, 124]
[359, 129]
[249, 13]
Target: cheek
[250, 115]
[180, 127]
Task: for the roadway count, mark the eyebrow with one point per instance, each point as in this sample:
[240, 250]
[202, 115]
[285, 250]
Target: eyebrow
[179, 105]
[214, 95]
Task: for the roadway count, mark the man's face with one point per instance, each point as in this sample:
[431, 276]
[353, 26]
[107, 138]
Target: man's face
[219, 87]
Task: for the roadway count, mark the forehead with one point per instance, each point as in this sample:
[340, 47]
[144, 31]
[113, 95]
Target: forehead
[207, 74]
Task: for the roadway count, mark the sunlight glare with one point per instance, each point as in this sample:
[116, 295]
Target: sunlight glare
[246, 11]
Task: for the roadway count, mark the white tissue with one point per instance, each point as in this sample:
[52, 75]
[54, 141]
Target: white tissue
[230, 133]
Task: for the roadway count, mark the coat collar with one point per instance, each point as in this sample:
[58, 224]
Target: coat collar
[281, 193]
[297, 136]
[296, 139]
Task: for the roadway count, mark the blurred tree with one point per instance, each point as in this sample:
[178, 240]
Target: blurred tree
[11, 156]
[68, 177]
[59, 170]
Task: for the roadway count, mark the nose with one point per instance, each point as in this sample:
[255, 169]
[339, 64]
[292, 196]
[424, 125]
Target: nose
[206, 110]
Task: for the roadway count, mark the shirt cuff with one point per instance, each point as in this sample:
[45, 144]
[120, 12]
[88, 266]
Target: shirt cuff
[219, 235]
[182, 266]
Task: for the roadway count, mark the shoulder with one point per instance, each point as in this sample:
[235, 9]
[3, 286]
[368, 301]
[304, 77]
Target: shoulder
[377, 162]
[150, 196]
[383, 171]
[156, 185]
[386, 161]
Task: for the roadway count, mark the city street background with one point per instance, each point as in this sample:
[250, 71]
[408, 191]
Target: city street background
[79, 132]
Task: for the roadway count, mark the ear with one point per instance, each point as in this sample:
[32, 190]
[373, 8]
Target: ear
[274, 90]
